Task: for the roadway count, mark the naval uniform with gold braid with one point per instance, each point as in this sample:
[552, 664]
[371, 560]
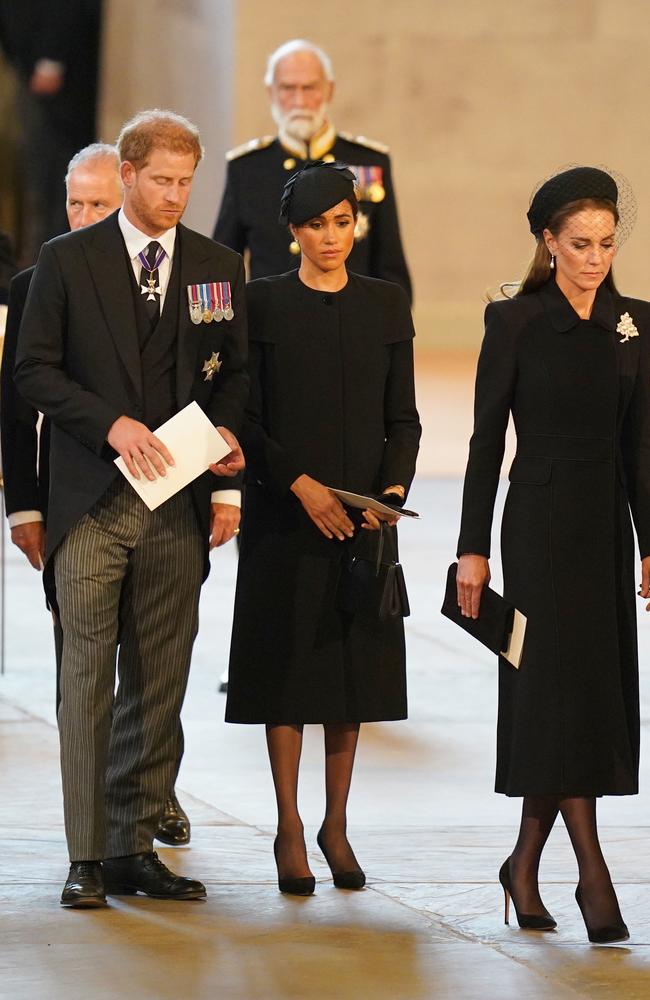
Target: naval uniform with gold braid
[256, 174]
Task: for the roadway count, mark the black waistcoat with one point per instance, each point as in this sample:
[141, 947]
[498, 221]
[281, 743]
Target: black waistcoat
[158, 350]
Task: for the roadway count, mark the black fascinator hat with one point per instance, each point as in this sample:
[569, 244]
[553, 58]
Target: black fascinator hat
[314, 189]
[567, 186]
[577, 183]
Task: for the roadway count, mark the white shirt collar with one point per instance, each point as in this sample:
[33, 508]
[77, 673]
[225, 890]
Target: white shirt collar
[136, 240]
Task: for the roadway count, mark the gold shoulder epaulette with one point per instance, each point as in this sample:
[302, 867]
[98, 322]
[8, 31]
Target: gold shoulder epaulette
[361, 140]
[250, 147]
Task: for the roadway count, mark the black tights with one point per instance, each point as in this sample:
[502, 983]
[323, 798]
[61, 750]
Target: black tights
[285, 746]
[539, 813]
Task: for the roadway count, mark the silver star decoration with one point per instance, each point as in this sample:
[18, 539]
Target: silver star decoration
[211, 366]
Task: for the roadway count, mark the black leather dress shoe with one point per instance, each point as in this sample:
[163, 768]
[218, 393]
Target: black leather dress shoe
[84, 886]
[146, 873]
[173, 825]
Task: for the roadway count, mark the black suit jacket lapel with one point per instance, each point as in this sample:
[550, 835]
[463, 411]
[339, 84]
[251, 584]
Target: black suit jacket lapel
[108, 264]
[197, 266]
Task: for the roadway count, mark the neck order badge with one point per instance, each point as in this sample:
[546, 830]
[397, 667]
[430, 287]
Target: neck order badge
[152, 288]
[210, 301]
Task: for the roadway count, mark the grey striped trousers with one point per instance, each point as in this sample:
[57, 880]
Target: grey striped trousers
[127, 582]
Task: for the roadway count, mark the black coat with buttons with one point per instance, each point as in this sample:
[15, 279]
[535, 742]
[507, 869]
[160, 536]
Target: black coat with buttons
[78, 358]
[579, 394]
[248, 216]
[332, 396]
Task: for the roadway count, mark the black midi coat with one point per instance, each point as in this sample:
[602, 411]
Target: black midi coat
[332, 396]
[579, 393]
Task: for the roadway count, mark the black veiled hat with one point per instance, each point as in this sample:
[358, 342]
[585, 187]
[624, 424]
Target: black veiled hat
[567, 186]
[314, 189]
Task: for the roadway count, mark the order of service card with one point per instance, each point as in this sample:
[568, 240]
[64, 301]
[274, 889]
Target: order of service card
[194, 443]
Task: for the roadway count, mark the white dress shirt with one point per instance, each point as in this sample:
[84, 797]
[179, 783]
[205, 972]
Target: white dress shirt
[137, 241]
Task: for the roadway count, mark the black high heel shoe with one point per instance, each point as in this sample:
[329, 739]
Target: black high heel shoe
[527, 921]
[602, 935]
[355, 879]
[303, 885]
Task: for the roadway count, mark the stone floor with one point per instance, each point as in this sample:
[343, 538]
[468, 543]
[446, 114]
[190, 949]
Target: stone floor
[423, 820]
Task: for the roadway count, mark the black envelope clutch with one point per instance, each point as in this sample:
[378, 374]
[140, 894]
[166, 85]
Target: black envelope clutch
[499, 625]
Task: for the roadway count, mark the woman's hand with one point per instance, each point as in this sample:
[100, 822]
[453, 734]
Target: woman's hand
[473, 574]
[372, 519]
[645, 580]
[323, 507]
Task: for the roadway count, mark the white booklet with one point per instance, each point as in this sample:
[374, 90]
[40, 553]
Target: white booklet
[194, 443]
[362, 502]
[514, 650]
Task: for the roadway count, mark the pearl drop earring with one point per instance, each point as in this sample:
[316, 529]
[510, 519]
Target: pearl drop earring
[552, 262]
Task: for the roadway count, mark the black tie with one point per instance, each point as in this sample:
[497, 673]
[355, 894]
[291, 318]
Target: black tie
[149, 282]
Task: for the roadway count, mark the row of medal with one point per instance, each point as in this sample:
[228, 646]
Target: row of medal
[210, 301]
[370, 183]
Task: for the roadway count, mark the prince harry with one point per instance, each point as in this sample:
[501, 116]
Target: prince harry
[108, 350]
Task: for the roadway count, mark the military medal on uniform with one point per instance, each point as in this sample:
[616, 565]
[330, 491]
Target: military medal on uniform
[371, 183]
[196, 306]
[212, 365]
[225, 299]
[202, 303]
[210, 301]
[196, 312]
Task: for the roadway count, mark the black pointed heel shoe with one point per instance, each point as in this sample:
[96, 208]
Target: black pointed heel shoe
[303, 885]
[355, 879]
[527, 921]
[602, 935]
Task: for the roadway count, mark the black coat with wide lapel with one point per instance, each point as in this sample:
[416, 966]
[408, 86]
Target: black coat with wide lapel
[108, 266]
[78, 358]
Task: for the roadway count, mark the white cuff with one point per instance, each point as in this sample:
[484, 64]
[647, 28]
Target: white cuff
[24, 517]
[232, 497]
[50, 66]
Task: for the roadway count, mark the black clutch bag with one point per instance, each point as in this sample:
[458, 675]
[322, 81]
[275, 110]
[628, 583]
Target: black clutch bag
[374, 587]
[499, 625]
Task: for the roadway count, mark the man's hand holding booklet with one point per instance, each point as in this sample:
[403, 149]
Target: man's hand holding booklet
[194, 443]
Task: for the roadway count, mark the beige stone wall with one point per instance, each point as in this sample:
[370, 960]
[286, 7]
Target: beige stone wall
[478, 99]
[176, 54]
